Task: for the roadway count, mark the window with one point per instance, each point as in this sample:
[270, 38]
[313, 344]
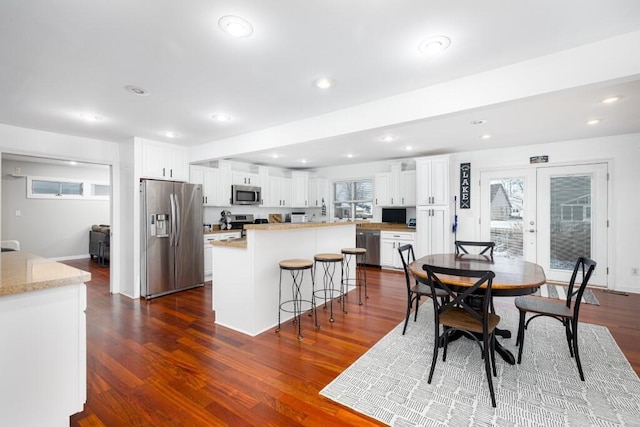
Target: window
[353, 199]
[64, 188]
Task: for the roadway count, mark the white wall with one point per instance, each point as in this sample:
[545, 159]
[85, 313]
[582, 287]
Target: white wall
[623, 152]
[47, 227]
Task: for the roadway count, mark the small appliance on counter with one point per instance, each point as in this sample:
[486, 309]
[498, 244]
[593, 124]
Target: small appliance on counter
[225, 220]
[261, 221]
[299, 217]
[411, 223]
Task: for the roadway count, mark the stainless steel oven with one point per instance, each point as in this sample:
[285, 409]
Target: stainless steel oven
[246, 195]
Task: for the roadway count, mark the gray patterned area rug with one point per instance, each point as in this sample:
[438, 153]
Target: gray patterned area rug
[560, 292]
[389, 382]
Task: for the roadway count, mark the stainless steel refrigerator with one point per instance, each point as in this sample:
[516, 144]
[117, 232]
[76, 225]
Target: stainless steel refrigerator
[172, 257]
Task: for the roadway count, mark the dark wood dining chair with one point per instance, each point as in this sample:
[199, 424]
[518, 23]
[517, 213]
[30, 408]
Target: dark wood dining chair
[415, 289]
[566, 313]
[485, 248]
[456, 315]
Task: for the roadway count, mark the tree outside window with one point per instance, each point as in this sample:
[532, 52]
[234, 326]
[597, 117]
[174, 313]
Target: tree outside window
[353, 200]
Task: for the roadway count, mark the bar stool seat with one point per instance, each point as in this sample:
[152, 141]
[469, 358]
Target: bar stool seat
[296, 268]
[328, 262]
[296, 264]
[360, 256]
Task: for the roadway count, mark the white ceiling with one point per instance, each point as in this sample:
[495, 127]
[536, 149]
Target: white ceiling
[67, 57]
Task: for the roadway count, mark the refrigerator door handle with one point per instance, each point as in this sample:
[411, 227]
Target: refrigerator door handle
[172, 233]
[178, 220]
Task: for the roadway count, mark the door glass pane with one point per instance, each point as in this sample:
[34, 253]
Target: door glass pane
[570, 219]
[507, 204]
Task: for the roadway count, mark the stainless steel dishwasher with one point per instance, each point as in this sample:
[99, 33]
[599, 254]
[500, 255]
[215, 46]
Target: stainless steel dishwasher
[369, 240]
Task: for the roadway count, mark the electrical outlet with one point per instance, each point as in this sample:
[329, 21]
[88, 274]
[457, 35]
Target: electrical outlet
[18, 170]
[635, 271]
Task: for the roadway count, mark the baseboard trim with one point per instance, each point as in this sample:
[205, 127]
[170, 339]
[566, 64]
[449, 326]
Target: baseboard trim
[71, 257]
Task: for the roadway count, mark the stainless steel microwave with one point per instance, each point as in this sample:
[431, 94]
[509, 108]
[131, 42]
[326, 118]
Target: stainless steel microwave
[246, 195]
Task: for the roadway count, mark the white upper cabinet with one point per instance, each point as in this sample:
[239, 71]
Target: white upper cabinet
[209, 178]
[279, 191]
[407, 192]
[224, 183]
[263, 172]
[432, 186]
[382, 189]
[164, 161]
[246, 178]
[318, 192]
[395, 188]
[300, 189]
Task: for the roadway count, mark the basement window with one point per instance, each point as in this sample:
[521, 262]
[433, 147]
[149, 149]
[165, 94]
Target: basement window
[65, 189]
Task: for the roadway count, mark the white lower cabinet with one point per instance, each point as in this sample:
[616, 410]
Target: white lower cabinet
[390, 241]
[208, 249]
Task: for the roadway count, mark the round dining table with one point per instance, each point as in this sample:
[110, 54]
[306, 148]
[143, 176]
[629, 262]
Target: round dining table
[512, 277]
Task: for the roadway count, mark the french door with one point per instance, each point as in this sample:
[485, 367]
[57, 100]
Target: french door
[548, 215]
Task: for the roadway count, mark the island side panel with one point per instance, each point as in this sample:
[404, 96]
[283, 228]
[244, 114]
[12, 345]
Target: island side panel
[232, 287]
[43, 381]
[271, 248]
[245, 281]
[333, 240]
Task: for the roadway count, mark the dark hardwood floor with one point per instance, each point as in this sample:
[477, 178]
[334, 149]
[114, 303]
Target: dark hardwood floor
[165, 362]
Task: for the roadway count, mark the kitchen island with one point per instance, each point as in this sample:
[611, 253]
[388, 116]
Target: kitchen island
[43, 379]
[246, 271]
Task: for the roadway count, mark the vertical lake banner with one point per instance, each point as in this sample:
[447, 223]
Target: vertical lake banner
[465, 185]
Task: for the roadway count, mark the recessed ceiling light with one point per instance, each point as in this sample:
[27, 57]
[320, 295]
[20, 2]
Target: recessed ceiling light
[303, 161]
[611, 99]
[136, 90]
[221, 118]
[324, 83]
[594, 122]
[72, 163]
[91, 117]
[478, 122]
[275, 155]
[408, 148]
[389, 138]
[485, 136]
[170, 134]
[235, 26]
[349, 156]
[434, 45]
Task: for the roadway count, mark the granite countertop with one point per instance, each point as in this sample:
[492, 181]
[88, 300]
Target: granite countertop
[218, 231]
[25, 272]
[292, 226]
[276, 226]
[384, 226]
[232, 243]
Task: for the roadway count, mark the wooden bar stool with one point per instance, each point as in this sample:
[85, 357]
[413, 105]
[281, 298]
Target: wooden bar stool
[328, 262]
[360, 257]
[296, 268]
